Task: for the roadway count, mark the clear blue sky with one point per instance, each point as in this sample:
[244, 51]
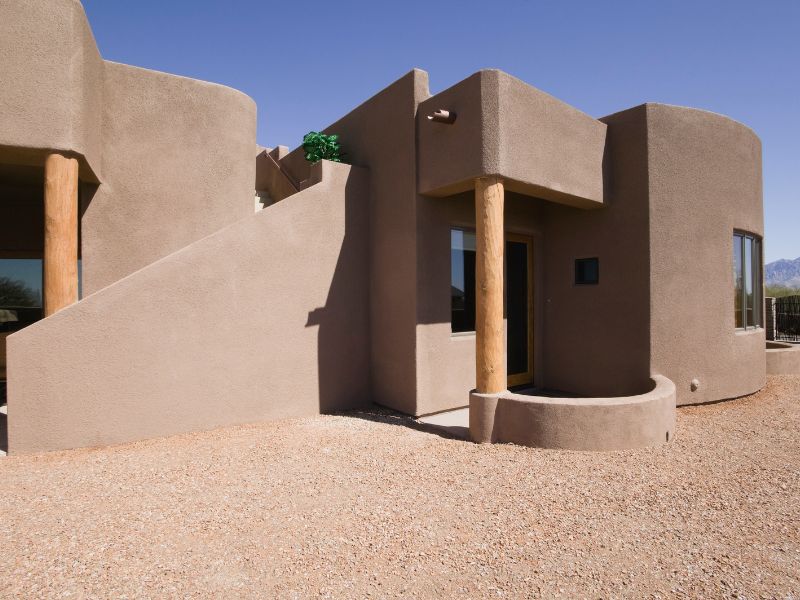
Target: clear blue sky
[308, 63]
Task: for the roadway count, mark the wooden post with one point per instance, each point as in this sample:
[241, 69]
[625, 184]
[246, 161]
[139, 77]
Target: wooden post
[490, 244]
[60, 265]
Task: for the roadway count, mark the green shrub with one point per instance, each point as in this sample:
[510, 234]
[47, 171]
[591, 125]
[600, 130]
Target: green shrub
[319, 146]
[778, 291]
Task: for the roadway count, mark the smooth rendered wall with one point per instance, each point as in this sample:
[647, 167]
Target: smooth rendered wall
[380, 135]
[179, 164]
[596, 337]
[265, 319]
[705, 182]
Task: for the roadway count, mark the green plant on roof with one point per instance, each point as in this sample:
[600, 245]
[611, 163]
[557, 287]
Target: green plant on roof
[319, 146]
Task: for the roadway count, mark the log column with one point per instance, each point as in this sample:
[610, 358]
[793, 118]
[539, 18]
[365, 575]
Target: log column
[490, 244]
[60, 264]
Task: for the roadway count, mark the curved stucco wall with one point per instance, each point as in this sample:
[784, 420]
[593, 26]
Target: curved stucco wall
[179, 164]
[576, 423]
[262, 320]
[704, 177]
[174, 156]
[783, 359]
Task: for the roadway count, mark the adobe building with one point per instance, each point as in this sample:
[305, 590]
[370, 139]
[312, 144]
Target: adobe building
[486, 243]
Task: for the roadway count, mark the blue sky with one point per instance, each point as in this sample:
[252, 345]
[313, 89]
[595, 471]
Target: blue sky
[308, 63]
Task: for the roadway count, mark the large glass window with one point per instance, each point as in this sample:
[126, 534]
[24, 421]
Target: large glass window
[462, 280]
[748, 287]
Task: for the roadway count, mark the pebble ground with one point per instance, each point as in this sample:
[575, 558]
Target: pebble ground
[364, 506]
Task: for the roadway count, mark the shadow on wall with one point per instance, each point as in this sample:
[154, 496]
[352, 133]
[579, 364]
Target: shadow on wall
[343, 335]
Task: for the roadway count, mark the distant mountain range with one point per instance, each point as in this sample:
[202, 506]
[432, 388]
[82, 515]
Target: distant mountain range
[783, 272]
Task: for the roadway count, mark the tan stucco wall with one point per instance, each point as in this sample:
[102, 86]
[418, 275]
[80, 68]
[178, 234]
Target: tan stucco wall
[179, 164]
[538, 144]
[596, 336]
[595, 424]
[52, 78]
[705, 181]
[173, 156]
[591, 340]
[380, 134]
[262, 320]
[783, 358]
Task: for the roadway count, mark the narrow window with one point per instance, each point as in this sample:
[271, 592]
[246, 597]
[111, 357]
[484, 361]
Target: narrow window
[462, 280]
[587, 271]
[747, 278]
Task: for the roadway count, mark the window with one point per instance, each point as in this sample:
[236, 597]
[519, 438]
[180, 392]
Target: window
[20, 292]
[587, 271]
[462, 280]
[748, 291]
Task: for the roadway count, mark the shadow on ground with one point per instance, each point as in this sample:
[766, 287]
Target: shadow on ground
[379, 414]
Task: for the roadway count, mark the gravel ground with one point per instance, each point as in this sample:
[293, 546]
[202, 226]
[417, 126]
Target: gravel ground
[363, 506]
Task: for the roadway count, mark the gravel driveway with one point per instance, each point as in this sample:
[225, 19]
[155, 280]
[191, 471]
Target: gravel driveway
[357, 506]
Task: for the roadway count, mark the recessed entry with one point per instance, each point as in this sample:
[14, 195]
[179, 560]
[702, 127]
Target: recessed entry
[587, 271]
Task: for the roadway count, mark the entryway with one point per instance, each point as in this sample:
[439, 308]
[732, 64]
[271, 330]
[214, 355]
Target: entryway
[519, 309]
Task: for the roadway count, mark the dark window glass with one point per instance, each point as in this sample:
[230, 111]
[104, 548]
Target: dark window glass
[738, 280]
[517, 310]
[587, 271]
[747, 278]
[20, 292]
[462, 280]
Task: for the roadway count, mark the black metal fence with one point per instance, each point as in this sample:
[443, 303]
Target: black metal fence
[787, 319]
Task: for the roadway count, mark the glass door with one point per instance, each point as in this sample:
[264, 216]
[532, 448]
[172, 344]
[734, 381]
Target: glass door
[519, 309]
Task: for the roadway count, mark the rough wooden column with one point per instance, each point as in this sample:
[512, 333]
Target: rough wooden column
[490, 242]
[60, 265]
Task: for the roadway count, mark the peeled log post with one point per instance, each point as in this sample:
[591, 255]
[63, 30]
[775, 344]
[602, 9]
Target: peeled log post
[490, 244]
[60, 265]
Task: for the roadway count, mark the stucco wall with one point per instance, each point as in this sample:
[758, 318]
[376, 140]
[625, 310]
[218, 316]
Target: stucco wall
[705, 181]
[262, 320]
[783, 358]
[380, 134]
[595, 424]
[179, 165]
[52, 82]
[541, 146]
[173, 156]
[597, 336]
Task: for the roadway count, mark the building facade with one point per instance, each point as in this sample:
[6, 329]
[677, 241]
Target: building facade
[485, 238]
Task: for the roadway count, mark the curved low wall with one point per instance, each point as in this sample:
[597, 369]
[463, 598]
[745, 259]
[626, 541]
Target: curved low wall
[575, 423]
[783, 359]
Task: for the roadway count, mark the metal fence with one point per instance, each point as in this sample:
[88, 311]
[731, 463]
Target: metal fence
[787, 319]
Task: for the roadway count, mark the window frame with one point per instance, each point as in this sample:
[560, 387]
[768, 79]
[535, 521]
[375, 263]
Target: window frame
[756, 271]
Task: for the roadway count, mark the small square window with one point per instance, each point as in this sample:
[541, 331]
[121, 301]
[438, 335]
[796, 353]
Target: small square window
[587, 271]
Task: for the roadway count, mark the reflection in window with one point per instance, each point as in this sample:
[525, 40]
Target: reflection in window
[462, 280]
[20, 292]
[587, 271]
[748, 291]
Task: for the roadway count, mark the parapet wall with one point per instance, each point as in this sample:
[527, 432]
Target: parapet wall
[576, 423]
[783, 358]
[265, 319]
[541, 146]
